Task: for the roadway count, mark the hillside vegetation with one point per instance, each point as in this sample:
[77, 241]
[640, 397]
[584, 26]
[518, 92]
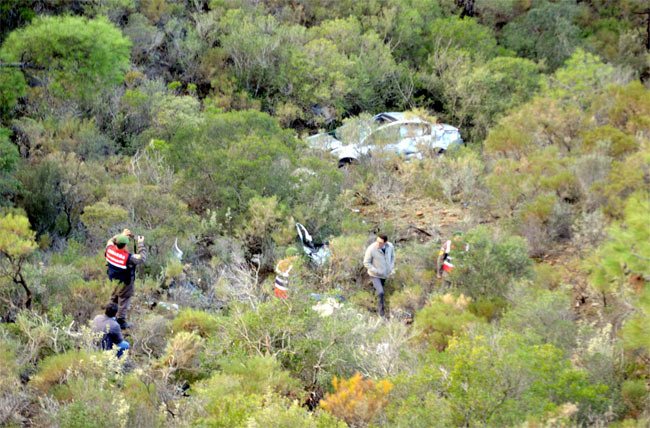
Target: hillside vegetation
[184, 121]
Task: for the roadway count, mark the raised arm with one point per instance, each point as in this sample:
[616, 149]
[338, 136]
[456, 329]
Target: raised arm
[141, 257]
[111, 241]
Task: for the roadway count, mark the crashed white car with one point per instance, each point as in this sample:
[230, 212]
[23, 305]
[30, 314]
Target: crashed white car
[391, 132]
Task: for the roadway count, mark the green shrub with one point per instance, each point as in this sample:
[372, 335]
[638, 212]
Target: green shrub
[631, 423]
[193, 320]
[58, 369]
[635, 395]
[144, 402]
[441, 318]
[93, 405]
[254, 157]
[9, 380]
[284, 414]
[492, 264]
[84, 299]
[364, 299]
[260, 375]
[409, 300]
[44, 335]
[619, 144]
[488, 308]
[547, 276]
[182, 357]
[75, 55]
[150, 333]
[345, 266]
[221, 401]
[494, 378]
[544, 313]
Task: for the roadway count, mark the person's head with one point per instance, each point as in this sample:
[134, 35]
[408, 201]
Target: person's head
[381, 239]
[458, 235]
[121, 241]
[291, 252]
[111, 309]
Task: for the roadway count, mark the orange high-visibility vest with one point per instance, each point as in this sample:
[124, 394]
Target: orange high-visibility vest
[116, 257]
[281, 287]
[447, 266]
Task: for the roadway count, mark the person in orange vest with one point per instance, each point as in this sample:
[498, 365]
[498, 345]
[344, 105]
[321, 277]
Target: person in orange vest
[121, 268]
[444, 264]
[283, 270]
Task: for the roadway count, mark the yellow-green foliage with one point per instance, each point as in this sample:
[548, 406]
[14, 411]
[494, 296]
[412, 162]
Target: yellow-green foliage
[75, 256]
[144, 401]
[410, 299]
[57, 369]
[364, 299]
[9, 380]
[16, 237]
[625, 177]
[628, 250]
[182, 355]
[357, 401]
[616, 142]
[93, 403]
[632, 423]
[535, 149]
[635, 395]
[101, 217]
[547, 276]
[242, 389]
[488, 308]
[346, 261]
[220, 402]
[284, 414]
[265, 218]
[260, 375]
[441, 318]
[84, 299]
[194, 320]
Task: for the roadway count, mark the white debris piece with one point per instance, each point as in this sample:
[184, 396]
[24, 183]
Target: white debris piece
[326, 307]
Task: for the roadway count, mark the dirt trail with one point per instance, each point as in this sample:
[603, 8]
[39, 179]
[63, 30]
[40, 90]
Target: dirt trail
[422, 219]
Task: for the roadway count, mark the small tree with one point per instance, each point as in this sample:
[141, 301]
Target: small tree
[75, 56]
[492, 264]
[357, 400]
[16, 244]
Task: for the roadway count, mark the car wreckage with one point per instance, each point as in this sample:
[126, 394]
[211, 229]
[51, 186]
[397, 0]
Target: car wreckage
[400, 133]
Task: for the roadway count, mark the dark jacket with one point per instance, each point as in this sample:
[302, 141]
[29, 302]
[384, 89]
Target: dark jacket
[126, 276]
[110, 328]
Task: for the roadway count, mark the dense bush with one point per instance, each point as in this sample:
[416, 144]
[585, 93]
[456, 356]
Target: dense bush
[357, 401]
[492, 265]
[58, 369]
[77, 56]
[183, 121]
[441, 319]
[195, 321]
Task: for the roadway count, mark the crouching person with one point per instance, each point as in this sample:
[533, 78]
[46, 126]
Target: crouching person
[107, 324]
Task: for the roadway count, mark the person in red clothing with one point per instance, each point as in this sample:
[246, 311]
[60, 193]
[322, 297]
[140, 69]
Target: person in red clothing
[444, 264]
[121, 268]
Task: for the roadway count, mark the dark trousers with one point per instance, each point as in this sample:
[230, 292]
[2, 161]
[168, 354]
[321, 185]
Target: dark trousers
[378, 284]
[122, 296]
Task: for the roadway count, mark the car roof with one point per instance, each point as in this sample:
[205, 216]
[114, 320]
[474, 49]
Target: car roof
[390, 116]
